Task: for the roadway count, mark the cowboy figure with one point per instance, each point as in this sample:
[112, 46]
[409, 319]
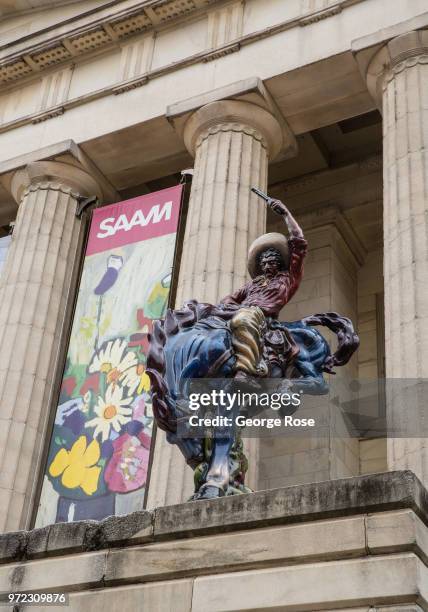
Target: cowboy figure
[276, 267]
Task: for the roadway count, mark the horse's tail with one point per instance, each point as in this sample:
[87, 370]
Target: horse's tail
[347, 339]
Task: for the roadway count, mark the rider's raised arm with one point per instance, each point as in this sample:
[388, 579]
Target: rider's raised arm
[293, 227]
[298, 247]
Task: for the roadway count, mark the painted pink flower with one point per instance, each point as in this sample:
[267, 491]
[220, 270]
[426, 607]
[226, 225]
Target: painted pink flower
[139, 409]
[127, 468]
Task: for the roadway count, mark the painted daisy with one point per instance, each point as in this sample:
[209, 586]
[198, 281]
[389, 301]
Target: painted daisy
[112, 412]
[113, 359]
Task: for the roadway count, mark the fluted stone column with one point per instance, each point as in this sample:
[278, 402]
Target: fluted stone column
[398, 79]
[232, 142]
[34, 291]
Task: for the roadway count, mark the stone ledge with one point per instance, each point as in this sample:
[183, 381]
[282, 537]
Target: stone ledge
[309, 502]
[320, 500]
[79, 536]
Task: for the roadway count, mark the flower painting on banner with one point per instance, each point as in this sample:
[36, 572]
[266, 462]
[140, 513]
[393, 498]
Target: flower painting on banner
[99, 449]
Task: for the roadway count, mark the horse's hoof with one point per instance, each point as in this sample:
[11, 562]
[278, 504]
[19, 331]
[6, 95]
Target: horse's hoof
[208, 491]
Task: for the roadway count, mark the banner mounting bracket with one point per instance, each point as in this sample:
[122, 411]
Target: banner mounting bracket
[83, 203]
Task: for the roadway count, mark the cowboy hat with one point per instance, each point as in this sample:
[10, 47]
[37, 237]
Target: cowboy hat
[273, 240]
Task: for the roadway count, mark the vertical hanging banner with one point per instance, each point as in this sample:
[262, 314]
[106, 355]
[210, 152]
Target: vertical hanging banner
[100, 445]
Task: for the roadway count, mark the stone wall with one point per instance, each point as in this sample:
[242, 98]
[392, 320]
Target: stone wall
[343, 273]
[357, 544]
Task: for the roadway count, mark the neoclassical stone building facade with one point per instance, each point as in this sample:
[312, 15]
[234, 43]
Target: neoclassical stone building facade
[321, 102]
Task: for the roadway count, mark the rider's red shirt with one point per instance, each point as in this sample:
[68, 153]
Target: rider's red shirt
[271, 295]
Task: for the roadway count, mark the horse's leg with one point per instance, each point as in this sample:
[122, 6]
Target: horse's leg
[217, 478]
[218, 475]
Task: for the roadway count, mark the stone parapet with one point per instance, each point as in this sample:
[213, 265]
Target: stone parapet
[348, 544]
[331, 499]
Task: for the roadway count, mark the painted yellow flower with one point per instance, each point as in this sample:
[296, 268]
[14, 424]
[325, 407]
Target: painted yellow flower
[144, 380]
[137, 379]
[77, 466]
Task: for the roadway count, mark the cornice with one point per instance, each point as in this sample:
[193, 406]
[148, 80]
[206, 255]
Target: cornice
[61, 51]
[101, 29]
[55, 111]
[221, 52]
[130, 84]
[320, 15]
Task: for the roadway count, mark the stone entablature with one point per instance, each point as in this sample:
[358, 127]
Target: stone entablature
[352, 543]
[133, 33]
[89, 32]
[106, 27]
[170, 61]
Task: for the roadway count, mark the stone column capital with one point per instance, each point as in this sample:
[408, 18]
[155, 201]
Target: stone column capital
[238, 116]
[399, 53]
[54, 175]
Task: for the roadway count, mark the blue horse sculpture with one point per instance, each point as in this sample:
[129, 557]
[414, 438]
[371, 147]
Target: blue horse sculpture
[196, 342]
